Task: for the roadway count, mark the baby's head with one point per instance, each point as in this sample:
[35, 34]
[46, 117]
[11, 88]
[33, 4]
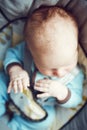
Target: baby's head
[52, 37]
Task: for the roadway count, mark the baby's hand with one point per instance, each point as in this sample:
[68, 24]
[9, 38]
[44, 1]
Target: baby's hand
[51, 88]
[19, 79]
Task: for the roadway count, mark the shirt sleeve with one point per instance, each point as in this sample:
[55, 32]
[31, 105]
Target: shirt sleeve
[14, 55]
[76, 89]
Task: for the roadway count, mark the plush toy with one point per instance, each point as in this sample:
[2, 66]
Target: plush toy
[25, 105]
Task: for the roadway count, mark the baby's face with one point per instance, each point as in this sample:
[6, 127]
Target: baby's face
[54, 62]
[50, 65]
[57, 72]
[54, 50]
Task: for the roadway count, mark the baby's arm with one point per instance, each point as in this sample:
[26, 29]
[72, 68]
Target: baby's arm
[13, 65]
[76, 88]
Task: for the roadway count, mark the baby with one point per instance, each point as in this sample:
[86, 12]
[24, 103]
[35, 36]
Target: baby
[50, 55]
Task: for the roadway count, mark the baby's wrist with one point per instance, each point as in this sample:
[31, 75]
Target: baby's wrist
[64, 97]
[13, 67]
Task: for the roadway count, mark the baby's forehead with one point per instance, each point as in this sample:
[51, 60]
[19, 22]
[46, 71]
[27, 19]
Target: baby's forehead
[53, 35]
[55, 27]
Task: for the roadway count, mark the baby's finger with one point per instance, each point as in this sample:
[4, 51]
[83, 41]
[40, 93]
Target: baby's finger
[43, 95]
[45, 85]
[20, 85]
[25, 83]
[9, 87]
[28, 83]
[42, 89]
[15, 88]
[43, 81]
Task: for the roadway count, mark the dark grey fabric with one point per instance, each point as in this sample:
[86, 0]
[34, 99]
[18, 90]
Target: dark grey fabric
[79, 122]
